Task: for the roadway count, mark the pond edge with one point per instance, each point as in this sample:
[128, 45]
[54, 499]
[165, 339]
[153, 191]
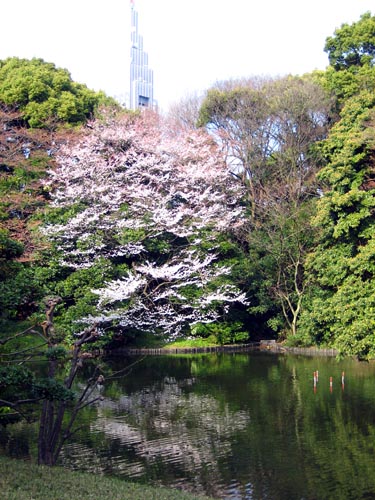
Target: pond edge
[262, 345]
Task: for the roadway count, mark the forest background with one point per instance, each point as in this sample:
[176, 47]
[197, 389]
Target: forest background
[246, 213]
[266, 185]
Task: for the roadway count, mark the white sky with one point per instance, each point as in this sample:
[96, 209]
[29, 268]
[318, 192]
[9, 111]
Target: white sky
[191, 43]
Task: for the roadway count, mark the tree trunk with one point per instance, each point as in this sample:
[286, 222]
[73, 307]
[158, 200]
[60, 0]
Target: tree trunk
[52, 433]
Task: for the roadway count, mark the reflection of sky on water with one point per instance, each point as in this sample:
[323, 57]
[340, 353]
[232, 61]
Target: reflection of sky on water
[240, 426]
[185, 431]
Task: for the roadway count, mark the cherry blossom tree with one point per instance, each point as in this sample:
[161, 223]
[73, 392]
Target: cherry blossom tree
[153, 205]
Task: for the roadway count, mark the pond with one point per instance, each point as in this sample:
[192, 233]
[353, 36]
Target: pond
[232, 426]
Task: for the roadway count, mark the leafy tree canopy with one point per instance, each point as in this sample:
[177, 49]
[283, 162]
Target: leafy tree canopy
[341, 306]
[46, 95]
[267, 129]
[142, 241]
[353, 46]
[9, 248]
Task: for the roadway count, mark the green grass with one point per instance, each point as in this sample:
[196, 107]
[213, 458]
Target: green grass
[25, 481]
[192, 343]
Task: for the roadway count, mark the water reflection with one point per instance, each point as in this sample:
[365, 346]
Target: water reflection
[239, 426]
[167, 430]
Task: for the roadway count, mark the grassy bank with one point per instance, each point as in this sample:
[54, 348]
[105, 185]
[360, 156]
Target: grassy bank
[191, 343]
[25, 481]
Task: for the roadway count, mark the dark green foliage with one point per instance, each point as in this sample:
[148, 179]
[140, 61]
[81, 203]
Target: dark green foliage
[9, 248]
[222, 333]
[51, 390]
[57, 353]
[16, 383]
[19, 291]
[75, 291]
[18, 288]
[21, 389]
[18, 377]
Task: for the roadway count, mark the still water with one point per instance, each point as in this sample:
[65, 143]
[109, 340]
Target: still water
[233, 426]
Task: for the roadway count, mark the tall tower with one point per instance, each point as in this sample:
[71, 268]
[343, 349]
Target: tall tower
[141, 76]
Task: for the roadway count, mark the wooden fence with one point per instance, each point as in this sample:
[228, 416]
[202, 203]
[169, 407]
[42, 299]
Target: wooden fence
[263, 345]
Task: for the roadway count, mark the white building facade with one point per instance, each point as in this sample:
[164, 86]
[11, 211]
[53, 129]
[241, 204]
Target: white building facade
[141, 76]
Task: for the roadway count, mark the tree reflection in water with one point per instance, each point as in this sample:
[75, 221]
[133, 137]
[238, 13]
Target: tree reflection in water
[244, 426]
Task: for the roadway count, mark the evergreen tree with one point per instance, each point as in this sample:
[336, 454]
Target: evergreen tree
[341, 306]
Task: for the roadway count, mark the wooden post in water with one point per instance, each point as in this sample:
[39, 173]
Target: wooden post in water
[315, 380]
[343, 380]
[330, 384]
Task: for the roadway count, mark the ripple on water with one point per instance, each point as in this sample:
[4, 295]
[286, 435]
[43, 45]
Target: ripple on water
[249, 440]
[237, 491]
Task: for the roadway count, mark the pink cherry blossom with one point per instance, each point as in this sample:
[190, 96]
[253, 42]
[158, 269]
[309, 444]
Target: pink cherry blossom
[134, 185]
